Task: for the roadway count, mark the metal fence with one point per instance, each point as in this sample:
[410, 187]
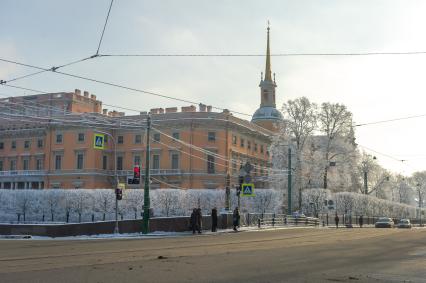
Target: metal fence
[276, 220]
[353, 220]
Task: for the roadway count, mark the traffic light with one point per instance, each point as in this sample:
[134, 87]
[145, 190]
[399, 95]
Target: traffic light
[240, 184]
[119, 194]
[136, 174]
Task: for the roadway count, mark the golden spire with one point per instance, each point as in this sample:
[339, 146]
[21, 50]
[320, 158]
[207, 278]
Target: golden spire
[268, 73]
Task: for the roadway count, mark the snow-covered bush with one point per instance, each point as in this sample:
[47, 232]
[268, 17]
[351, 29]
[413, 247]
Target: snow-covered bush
[99, 205]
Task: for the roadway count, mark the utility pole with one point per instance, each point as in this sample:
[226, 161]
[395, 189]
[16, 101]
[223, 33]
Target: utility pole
[146, 201]
[227, 192]
[289, 181]
[365, 182]
[420, 205]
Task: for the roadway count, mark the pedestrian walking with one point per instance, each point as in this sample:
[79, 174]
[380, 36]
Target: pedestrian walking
[336, 219]
[236, 218]
[199, 220]
[214, 219]
[361, 221]
[193, 220]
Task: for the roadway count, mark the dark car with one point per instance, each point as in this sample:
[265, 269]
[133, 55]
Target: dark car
[384, 222]
[404, 223]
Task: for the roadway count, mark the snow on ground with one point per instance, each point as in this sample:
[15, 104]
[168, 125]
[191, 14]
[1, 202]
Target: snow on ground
[153, 235]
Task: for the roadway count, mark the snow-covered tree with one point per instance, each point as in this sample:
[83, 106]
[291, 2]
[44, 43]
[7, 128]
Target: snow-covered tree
[134, 200]
[335, 123]
[300, 118]
[313, 200]
[104, 202]
[52, 202]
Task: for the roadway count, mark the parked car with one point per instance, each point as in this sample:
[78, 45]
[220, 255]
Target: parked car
[384, 222]
[404, 223]
[298, 214]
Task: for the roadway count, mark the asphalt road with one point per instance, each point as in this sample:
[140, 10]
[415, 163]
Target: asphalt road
[292, 255]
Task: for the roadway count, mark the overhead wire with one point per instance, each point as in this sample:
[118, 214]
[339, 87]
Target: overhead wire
[117, 85]
[103, 30]
[261, 55]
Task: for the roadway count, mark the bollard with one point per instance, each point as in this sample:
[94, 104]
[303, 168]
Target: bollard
[258, 222]
[273, 222]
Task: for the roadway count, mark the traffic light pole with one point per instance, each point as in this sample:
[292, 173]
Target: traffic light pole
[289, 211]
[146, 201]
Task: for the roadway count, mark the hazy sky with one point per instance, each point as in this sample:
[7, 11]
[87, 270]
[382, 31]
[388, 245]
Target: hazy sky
[49, 33]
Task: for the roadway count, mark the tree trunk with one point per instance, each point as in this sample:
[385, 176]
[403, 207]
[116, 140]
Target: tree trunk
[325, 177]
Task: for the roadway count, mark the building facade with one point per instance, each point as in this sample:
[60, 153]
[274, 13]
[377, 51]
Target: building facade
[46, 141]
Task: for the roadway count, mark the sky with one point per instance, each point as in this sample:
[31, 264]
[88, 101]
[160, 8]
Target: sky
[49, 33]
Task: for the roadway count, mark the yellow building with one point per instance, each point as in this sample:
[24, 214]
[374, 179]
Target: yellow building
[190, 148]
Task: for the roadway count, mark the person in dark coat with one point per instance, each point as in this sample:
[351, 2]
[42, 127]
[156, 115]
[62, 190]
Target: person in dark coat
[194, 220]
[336, 219]
[214, 219]
[361, 221]
[236, 218]
[199, 220]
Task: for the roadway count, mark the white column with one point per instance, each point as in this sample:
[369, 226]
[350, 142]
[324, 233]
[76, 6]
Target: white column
[39, 185]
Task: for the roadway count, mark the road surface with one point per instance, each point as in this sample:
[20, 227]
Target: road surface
[286, 255]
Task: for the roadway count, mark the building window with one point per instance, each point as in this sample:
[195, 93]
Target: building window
[137, 160]
[157, 137]
[12, 165]
[58, 162]
[26, 144]
[80, 161]
[104, 162]
[59, 138]
[211, 136]
[255, 147]
[234, 166]
[26, 165]
[176, 136]
[119, 162]
[261, 148]
[120, 139]
[1, 145]
[210, 164]
[241, 142]
[39, 164]
[155, 161]
[81, 137]
[138, 139]
[39, 143]
[13, 145]
[248, 144]
[234, 140]
[1, 165]
[175, 161]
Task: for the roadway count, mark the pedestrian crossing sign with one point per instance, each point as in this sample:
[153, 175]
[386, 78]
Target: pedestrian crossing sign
[247, 190]
[99, 141]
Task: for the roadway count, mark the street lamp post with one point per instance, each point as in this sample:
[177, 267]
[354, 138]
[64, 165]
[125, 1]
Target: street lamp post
[116, 229]
[420, 205]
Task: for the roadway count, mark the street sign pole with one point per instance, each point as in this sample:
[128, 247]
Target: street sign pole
[146, 200]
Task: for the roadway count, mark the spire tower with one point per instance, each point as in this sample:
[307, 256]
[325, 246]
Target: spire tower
[267, 115]
[268, 72]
